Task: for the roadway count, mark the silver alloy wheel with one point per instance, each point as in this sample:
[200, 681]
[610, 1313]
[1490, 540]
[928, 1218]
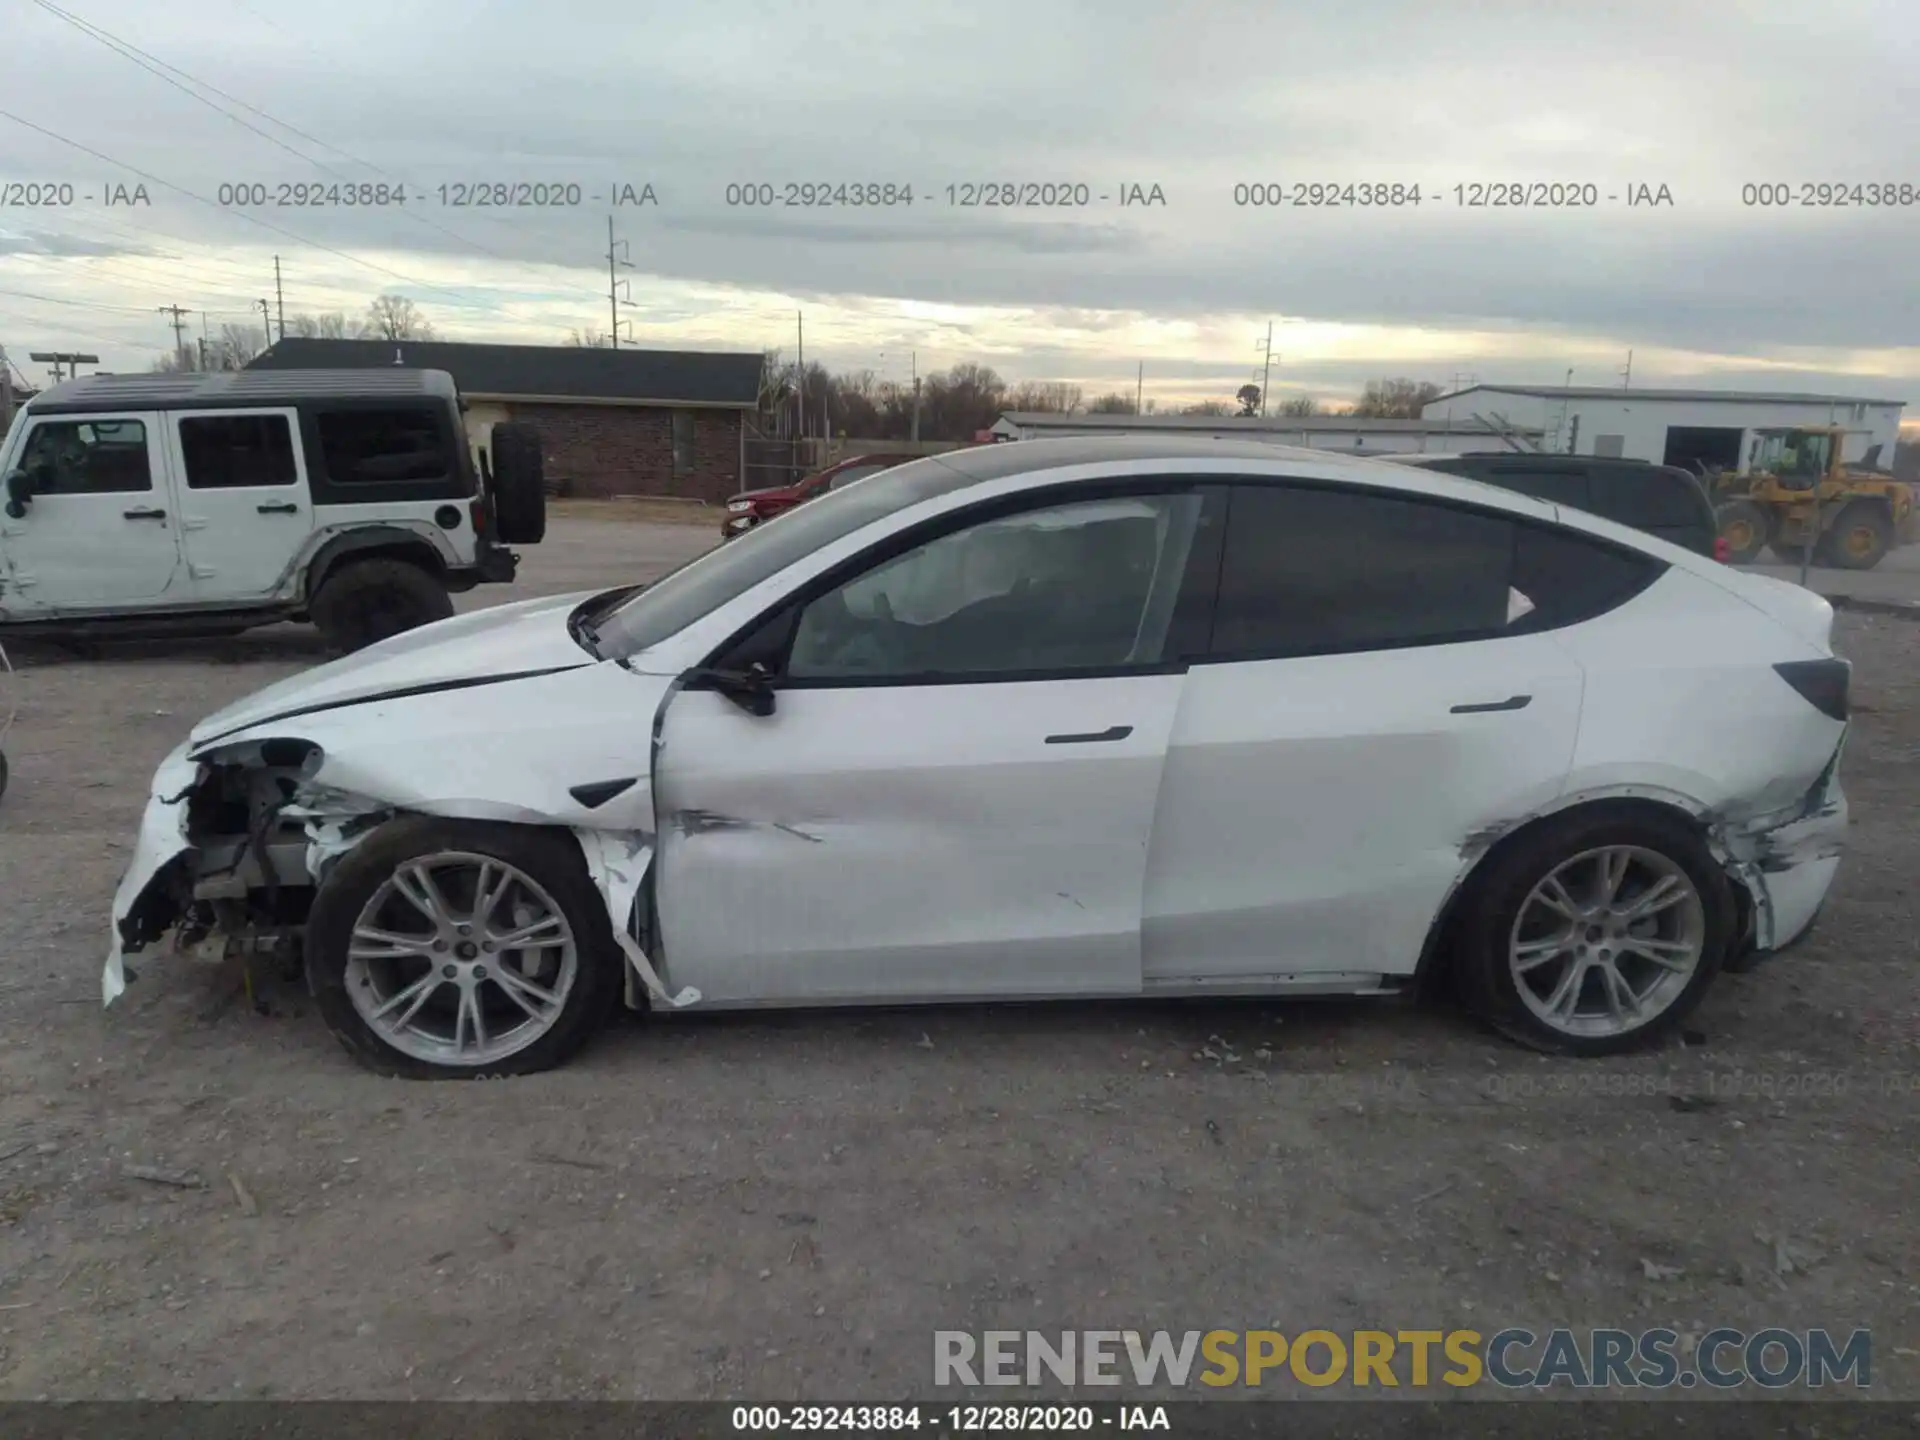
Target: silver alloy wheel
[1607, 941]
[461, 959]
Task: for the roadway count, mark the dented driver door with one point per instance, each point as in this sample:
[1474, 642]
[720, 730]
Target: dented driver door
[944, 802]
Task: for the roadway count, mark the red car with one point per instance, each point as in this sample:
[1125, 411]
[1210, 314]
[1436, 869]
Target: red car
[750, 507]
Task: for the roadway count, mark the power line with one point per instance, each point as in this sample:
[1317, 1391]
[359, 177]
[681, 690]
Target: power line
[242, 214]
[155, 66]
[80, 304]
[50, 327]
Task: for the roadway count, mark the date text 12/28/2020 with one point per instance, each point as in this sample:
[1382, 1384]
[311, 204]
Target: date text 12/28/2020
[455, 195]
[960, 195]
[1469, 195]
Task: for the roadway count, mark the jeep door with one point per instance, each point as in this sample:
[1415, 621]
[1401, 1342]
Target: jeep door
[100, 533]
[245, 511]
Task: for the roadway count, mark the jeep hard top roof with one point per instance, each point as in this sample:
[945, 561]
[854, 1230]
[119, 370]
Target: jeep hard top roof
[237, 389]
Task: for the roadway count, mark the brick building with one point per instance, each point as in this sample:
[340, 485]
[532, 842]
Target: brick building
[612, 422]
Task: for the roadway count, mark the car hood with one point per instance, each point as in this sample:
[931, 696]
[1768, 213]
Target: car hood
[770, 492]
[498, 643]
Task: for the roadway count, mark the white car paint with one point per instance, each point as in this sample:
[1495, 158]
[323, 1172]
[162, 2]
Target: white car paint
[1366, 783]
[917, 843]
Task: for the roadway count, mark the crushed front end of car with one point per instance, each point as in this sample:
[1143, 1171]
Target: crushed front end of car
[229, 850]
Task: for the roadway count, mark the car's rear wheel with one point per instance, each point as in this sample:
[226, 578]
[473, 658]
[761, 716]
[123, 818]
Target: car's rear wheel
[451, 949]
[1597, 933]
[366, 601]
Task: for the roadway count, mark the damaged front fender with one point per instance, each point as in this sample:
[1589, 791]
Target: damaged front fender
[145, 907]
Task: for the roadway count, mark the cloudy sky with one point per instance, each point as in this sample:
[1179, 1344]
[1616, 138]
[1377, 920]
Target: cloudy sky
[1702, 97]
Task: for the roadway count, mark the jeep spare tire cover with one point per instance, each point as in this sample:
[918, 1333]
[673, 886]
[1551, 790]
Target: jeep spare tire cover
[519, 485]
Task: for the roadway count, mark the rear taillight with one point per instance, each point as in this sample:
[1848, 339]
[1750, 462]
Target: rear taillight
[1823, 684]
[1722, 551]
[477, 512]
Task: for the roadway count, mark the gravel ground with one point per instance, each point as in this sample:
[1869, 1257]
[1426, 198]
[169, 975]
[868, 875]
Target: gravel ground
[787, 1206]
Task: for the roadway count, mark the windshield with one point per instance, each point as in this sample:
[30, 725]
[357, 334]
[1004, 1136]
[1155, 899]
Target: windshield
[703, 584]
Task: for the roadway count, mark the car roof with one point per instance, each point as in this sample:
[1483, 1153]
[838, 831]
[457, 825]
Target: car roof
[1252, 458]
[236, 389]
[1516, 460]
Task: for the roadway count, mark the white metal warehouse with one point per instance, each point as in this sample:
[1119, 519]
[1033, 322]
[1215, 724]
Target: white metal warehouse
[1694, 429]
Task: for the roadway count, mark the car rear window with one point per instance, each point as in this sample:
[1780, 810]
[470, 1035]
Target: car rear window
[1562, 487]
[385, 446]
[1571, 578]
[1654, 497]
[1318, 571]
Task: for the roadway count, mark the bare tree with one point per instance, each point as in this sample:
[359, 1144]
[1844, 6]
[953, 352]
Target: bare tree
[333, 325]
[1207, 407]
[1112, 403]
[1044, 397]
[1398, 399]
[237, 347]
[1299, 407]
[591, 339]
[395, 317]
[1249, 397]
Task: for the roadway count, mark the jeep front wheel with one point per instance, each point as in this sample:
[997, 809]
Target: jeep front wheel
[367, 601]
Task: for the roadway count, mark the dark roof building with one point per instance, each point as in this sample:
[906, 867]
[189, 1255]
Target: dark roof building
[559, 373]
[612, 422]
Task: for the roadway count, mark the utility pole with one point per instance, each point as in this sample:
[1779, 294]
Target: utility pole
[800, 374]
[1626, 375]
[279, 301]
[1139, 384]
[70, 360]
[1266, 367]
[179, 326]
[266, 322]
[914, 434]
[614, 298]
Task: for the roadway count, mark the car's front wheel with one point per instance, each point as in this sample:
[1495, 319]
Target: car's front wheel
[1596, 933]
[453, 949]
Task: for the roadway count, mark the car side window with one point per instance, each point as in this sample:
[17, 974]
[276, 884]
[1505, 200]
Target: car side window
[1651, 497]
[1308, 571]
[1562, 487]
[88, 457]
[1085, 585]
[373, 447]
[1569, 578]
[227, 452]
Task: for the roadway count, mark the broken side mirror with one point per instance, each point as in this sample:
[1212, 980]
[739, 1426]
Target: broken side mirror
[751, 689]
[19, 493]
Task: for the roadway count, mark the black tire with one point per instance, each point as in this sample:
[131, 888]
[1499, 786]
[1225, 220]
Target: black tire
[5, 773]
[519, 486]
[1743, 525]
[1508, 876]
[364, 601]
[550, 858]
[1861, 536]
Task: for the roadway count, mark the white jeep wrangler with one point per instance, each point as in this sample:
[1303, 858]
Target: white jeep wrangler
[212, 503]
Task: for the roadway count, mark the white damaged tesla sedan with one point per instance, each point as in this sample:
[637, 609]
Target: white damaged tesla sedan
[1075, 718]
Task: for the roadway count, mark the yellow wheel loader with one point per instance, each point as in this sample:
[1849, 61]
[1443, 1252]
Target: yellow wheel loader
[1796, 492]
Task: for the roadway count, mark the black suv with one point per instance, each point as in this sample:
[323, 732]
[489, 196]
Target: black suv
[1659, 499]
